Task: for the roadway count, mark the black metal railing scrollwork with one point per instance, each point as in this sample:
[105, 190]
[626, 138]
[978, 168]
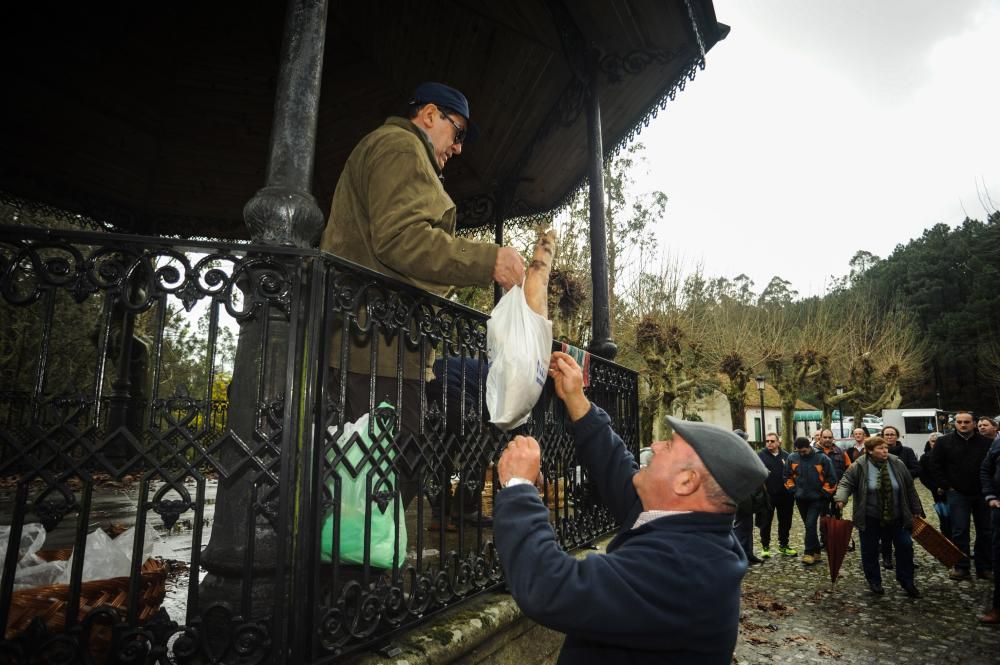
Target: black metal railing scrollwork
[270, 423]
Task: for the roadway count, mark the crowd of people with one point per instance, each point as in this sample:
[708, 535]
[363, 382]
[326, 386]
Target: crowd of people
[877, 477]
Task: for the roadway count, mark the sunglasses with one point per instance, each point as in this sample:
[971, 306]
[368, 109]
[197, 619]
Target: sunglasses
[460, 132]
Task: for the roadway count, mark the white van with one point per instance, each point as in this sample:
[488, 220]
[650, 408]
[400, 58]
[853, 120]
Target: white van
[915, 425]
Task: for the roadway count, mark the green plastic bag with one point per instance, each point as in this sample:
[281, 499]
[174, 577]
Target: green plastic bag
[354, 506]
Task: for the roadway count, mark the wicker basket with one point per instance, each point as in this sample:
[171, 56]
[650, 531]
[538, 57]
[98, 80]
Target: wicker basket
[488, 496]
[49, 602]
[558, 487]
[936, 544]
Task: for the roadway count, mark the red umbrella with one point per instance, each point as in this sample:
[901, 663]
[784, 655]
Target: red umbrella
[837, 534]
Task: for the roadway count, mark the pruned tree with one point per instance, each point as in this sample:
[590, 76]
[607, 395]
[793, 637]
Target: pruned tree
[809, 340]
[740, 339]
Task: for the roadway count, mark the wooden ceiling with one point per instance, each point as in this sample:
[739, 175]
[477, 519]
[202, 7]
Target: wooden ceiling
[155, 117]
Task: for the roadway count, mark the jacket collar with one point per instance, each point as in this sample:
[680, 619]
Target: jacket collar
[693, 521]
[404, 123]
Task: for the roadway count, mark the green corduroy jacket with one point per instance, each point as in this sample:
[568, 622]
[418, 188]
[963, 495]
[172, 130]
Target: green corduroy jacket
[391, 213]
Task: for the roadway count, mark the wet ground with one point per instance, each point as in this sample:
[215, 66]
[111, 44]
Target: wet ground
[793, 614]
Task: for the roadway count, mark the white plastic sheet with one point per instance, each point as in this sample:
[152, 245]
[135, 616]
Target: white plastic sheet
[105, 557]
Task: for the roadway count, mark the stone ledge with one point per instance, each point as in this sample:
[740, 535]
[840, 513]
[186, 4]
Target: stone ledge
[486, 629]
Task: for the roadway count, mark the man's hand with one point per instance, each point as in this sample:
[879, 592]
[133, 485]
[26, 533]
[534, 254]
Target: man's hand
[509, 268]
[522, 458]
[568, 379]
[994, 503]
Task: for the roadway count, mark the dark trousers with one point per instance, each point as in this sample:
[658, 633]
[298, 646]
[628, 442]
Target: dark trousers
[966, 508]
[456, 390]
[782, 503]
[809, 511]
[743, 528]
[872, 535]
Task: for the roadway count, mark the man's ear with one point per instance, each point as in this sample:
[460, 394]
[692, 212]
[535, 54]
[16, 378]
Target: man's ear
[425, 116]
[686, 482]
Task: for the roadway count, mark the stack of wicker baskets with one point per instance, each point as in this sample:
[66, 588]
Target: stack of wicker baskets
[48, 603]
[488, 494]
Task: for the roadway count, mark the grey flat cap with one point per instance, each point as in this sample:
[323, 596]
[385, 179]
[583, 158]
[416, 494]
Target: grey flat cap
[730, 460]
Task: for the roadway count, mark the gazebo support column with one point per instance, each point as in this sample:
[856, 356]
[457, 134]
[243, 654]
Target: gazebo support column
[600, 338]
[283, 212]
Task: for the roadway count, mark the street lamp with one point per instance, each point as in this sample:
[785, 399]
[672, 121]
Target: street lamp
[840, 410]
[760, 387]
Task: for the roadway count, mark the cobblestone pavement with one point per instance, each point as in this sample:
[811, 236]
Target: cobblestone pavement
[793, 614]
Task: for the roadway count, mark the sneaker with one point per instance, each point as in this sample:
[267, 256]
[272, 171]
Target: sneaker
[765, 553]
[788, 551]
[808, 559]
[959, 574]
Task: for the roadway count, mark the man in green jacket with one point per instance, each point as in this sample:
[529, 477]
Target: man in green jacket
[391, 213]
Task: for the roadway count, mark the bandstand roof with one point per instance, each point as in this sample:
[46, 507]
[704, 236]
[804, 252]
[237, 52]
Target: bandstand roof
[155, 117]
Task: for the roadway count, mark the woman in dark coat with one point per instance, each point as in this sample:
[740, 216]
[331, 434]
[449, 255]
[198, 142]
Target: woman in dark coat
[885, 501]
[930, 482]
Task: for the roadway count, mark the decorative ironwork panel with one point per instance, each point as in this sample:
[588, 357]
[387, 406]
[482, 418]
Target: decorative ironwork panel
[269, 423]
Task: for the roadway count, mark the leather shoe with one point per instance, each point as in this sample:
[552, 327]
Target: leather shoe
[887, 564]
[959, 574]
[985, 574]
[911, 591]
[876, 588]
[754, 560]
[992, 617]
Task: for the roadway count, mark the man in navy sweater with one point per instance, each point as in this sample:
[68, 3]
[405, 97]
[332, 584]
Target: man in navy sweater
[668, 589]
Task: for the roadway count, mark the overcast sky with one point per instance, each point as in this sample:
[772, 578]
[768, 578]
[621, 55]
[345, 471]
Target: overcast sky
[821, 127]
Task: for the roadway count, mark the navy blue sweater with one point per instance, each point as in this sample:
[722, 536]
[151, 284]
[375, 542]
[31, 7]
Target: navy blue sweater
[665, 592]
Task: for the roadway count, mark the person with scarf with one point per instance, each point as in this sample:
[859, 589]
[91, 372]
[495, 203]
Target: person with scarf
[884, 503]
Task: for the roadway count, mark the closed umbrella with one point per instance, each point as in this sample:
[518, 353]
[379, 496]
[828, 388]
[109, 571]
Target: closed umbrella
[837, 534]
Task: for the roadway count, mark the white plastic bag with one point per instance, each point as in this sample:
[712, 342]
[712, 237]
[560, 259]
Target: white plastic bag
[106, 557]
[31, 570]
[518, 343]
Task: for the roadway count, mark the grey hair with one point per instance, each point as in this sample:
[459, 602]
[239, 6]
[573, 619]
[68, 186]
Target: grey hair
[713, 492]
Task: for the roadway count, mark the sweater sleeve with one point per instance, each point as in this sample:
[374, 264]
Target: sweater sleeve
[848, 483]
[988, 473]
[633, 596]
[610, 464]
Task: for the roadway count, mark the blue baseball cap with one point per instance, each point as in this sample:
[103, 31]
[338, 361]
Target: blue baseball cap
[440, 94]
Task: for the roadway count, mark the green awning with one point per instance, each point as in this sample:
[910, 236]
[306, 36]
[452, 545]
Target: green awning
[807, 416]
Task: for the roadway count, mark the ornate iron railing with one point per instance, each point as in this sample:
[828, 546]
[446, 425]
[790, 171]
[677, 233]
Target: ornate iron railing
[291, 534]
